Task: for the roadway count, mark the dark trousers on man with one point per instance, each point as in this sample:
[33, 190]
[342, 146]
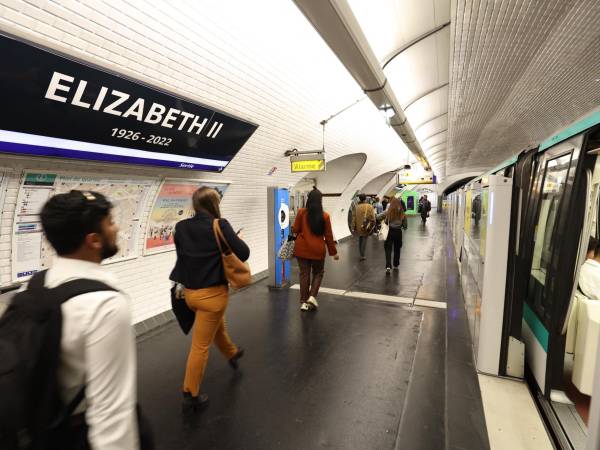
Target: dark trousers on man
[308, 287]
[394, 239]
[362, 245]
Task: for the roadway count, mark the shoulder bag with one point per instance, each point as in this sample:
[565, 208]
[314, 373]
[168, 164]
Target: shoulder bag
[287, 249]
[383, 231]
[237, 273]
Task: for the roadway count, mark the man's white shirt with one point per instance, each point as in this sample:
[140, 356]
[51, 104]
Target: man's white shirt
[589, 279]
[98, 351]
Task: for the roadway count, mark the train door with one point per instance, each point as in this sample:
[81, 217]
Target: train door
[574, 355]
[548, 217]
[560, 209]
[460, 221]
[522, 174]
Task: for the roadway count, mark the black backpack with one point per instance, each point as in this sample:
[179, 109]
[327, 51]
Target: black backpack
[31, 410]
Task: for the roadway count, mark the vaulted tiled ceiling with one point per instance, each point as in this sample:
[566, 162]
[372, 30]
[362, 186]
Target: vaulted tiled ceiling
[520, 71]
[504, 75]
[411, 40]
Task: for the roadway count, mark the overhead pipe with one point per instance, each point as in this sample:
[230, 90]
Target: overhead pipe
[335, 22]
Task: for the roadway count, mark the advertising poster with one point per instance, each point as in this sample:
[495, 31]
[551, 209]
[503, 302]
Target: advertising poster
[173, 203]
[31, 252]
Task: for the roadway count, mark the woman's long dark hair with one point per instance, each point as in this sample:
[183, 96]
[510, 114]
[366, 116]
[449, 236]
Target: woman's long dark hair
[314, 206]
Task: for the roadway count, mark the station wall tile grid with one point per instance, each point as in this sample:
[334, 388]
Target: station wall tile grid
[520, 70]
[276, 73]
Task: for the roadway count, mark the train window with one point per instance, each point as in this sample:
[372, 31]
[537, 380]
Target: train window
[555, 178]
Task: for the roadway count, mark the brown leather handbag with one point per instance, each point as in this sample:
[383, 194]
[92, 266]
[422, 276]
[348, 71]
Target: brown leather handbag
[236, 272]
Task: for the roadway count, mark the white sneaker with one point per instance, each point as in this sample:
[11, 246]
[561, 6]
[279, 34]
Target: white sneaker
[388, 270]
[312, 301]
[304, 307]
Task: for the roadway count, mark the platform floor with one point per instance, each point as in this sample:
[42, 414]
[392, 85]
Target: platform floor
[361, 373]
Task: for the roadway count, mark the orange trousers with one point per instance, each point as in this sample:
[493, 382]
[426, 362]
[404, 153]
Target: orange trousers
[209, 304]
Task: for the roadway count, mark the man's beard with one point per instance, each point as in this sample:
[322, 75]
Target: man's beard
[108, 249]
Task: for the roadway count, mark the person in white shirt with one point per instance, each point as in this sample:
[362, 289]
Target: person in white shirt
[97, 344]
[589, 274]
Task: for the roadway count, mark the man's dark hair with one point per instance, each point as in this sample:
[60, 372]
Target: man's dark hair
[68, 218]
[362, 197]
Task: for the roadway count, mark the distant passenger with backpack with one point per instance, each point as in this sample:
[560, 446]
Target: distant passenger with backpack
[365, 223]
[76, 387]
[424, 208]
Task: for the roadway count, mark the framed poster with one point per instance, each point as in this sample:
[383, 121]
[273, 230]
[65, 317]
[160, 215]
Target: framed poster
[173, 203]
[4, 174]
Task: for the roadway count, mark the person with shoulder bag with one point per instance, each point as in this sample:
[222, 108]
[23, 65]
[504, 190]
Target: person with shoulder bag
[209, 258]
[395, 219]
[314, 235]
[365, 223]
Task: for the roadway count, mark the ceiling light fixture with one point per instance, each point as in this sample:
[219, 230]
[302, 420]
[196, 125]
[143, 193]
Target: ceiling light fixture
[388, 112]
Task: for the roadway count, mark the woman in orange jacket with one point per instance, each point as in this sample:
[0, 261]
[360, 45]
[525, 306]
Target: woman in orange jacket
[312, 228]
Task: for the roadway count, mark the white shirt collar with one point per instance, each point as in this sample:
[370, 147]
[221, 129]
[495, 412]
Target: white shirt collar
[65, 269]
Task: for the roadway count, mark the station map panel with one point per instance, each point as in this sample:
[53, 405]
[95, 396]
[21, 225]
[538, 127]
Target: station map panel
[31, 252]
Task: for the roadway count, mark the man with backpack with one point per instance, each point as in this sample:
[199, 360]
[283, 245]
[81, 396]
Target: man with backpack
[365, 223]
[71, 329]
[424, 208]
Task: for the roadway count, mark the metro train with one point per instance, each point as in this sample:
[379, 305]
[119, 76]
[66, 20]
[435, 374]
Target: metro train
[549, 201]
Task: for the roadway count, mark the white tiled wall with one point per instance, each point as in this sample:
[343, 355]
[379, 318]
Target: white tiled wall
[259, 60]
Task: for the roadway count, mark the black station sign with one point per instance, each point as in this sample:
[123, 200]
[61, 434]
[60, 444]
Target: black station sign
[55, 106]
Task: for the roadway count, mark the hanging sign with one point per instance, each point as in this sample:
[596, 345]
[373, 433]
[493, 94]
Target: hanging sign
[64, 108]
[308, 163]
[408, 177]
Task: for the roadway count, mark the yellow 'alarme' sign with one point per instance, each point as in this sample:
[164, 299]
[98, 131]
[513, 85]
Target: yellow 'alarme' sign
[311, 165]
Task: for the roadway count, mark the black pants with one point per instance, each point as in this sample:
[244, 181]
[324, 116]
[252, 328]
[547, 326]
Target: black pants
[362, 245]
[73, 435]
[394, 239]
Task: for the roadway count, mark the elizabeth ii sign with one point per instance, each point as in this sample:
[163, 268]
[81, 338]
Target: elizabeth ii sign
[56, 106]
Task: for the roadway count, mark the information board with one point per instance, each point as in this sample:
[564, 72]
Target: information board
[31, 252]
[65, 108]
[173, 203]
[3, 186]
[4, 175]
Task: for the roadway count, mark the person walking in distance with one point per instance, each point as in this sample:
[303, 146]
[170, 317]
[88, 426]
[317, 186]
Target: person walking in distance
[312, 228]
[199, 268]
[378, 206]
[365, 222]
[385, 202]
[424, 208]
[395, 218]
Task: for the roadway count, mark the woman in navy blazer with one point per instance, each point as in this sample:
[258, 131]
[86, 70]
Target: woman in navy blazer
[199, 269]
